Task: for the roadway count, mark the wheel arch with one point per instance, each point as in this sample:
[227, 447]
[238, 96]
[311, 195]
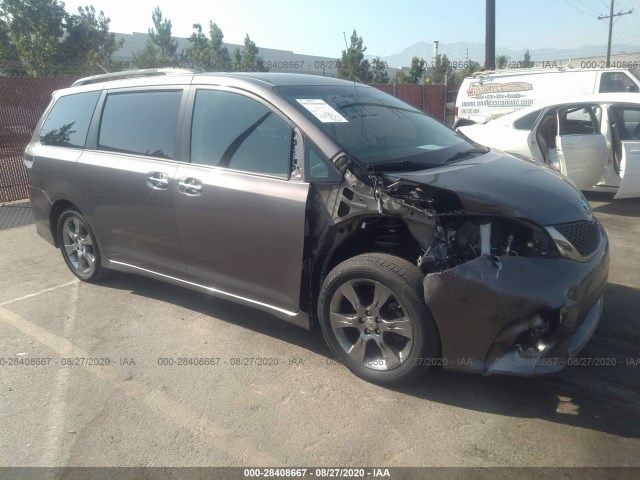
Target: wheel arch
[58, 207]
[343, 241]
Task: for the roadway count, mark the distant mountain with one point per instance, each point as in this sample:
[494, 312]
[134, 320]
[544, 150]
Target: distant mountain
[460, 51]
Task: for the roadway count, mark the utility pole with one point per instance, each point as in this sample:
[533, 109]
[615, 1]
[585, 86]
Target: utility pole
[490, 36]
[610, 17]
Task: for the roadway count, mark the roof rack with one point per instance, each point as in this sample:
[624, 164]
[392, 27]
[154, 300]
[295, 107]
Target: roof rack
[147, 72]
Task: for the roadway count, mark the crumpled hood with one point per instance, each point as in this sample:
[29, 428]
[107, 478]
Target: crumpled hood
[499, 184]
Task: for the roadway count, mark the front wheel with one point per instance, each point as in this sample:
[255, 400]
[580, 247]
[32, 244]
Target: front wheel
[374, 319]
[79, 246]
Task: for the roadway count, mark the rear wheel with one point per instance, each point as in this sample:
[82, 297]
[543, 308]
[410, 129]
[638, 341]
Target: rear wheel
[374, 319]
[78, 246]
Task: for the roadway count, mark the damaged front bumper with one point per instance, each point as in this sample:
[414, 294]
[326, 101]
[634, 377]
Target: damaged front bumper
[526, 318]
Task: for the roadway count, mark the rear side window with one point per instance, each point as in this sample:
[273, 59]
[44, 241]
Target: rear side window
[232, 131]
[526, 122]
[68, 121]
[142, 123]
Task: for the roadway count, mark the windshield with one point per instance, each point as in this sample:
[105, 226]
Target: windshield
[376, 128]
[635, 72]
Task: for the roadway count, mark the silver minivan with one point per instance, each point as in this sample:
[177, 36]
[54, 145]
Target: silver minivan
[318, 199]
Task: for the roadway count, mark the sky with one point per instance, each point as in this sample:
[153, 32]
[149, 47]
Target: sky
[315, 27]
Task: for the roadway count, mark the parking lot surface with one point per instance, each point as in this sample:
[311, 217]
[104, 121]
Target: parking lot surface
[134, 372]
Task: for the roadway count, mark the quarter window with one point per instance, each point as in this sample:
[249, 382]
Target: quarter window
[527, 122]
[142, 123]
[68, 122]
[233, 131]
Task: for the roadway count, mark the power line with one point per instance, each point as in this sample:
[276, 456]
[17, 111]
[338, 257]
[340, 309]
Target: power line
[588, 7]
[578, 10]
[610, 17]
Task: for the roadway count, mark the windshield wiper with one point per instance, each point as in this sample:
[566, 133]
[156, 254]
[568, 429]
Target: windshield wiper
[399, 165]
[466, 153]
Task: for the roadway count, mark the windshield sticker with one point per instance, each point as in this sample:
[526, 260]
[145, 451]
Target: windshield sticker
[321, 110]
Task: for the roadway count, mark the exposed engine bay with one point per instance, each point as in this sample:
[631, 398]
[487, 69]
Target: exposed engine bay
[429, 227]
[460, 239]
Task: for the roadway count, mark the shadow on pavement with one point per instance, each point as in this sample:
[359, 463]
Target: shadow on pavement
[624, 207]
[591, 396]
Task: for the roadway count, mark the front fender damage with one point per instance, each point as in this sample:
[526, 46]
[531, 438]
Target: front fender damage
[503, 299]
[528, 317]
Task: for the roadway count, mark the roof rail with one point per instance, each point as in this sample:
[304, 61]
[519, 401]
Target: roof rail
[147, 72]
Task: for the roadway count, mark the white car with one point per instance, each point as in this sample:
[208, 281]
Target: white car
[594, 140]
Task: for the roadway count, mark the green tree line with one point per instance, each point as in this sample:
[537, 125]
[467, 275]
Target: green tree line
[353, 66]
[40, 38]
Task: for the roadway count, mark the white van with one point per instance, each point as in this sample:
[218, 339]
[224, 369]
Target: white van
[489, 95]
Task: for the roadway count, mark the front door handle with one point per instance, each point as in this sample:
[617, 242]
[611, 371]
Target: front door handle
[190, 186]
[158, 180]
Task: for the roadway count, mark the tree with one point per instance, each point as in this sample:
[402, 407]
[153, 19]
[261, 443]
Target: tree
[147, 57]
[527, 62]
[89, 44]
[220, 60]
[199, 50]
[402, 77]
[161, 36]
[38, 37]
[10, 63]
[34, 29]
[502, 61]
[237, 59]
[415, 73]
[417, 70]
[352, 65]
[379, 71]
[160, 50]
[248, 60]
[442, 71]
[468, 71]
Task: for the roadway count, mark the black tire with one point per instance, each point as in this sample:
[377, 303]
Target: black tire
[374, 319]
[79, 246]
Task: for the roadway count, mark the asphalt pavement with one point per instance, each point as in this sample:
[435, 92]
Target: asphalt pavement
[135, 372]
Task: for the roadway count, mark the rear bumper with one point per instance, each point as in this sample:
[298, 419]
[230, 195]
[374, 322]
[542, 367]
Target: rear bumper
[528, 318]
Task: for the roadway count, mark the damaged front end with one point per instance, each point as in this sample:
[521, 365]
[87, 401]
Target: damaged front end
[518, 307]
[508, 293]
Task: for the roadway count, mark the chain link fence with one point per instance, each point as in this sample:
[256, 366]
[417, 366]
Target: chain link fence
[22, 101]
[436, 100]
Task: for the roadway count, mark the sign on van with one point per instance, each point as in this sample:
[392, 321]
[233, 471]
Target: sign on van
[493, 94]
[479, 90]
